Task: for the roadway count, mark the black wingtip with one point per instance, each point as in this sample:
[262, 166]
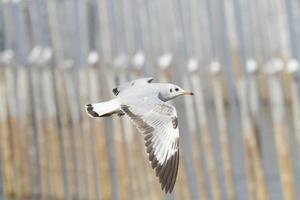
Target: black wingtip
[150, 79]
[90, 110]
[116, 91]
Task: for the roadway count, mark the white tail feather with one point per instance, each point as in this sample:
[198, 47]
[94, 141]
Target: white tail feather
[103, 109]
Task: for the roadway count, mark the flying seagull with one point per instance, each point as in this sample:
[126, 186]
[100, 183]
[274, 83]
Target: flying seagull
[145, 104]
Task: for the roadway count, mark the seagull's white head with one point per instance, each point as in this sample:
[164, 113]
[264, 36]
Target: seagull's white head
[172, 91]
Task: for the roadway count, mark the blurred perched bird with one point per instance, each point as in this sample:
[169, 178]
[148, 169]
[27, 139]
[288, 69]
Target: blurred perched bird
[145, 104]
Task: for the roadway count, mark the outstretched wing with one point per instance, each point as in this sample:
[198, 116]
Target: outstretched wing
[158, 122]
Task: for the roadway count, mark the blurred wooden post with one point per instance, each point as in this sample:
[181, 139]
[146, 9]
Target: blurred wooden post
[52, 152]
[251, 139]
[2, 128]
[292, 28]
[7, 24]
[65, 107]
[38, 60]
[218, 94]
[190, 165]
[93, 62]
[14, 108]
[24, 131]
[81, 31]
[47, 123]
[254, 107]
[21, 42]
[106, 81]
[273, 70]
[205, 134]
[2, 188]
[33, 58]
[246, 133]
[12, 116]
[255, 171]
[86, 134]
[53, 23]
[146, 22]
[7, 168]
[228, 66]
[78, 78]
[76, 136]
[45, 140]
[88, 128]
[293, 70]
[188, 85]
[59, 128]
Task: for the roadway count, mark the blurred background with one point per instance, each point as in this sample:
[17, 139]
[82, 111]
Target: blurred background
[240, 133]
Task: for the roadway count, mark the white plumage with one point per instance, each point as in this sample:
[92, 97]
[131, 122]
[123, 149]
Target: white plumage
[145, 104]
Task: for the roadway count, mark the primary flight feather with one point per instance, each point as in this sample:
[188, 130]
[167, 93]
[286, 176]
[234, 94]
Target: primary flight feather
[145, 104]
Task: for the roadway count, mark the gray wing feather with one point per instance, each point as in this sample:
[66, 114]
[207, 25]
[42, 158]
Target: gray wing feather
[157, 121]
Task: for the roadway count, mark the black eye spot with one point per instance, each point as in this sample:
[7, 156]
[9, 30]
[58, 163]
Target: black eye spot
[132, 83]
[176, 89]
[171, 90]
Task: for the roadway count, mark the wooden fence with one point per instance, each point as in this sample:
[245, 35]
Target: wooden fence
[50, 148]
[240, 133]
